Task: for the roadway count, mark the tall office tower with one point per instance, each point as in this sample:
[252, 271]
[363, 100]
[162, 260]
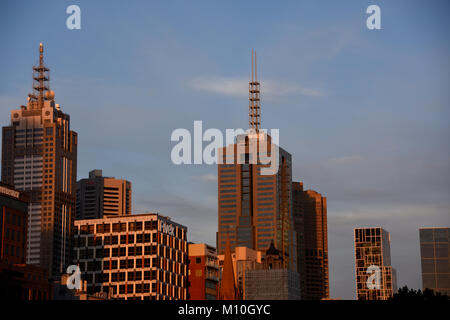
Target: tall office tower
[310, 220]
[375, 277]
[255, 209]
[203, 272]
[435, 256]
[39, 156]
[100, 196]
[135, 257]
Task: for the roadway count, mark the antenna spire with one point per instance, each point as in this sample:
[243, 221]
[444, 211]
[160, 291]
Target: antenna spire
[40, 80]
[254, 97]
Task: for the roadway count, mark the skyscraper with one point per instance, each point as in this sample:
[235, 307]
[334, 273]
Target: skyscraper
[310, 220]
[98, 196]
[255, 209]
[39, 156]
[435, 257]
[375, 277]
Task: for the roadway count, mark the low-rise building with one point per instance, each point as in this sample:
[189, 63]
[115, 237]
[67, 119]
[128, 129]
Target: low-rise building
[203, 272]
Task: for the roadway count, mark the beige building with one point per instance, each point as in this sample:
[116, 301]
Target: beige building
[99, 196]
[243, 259]
[135, 257]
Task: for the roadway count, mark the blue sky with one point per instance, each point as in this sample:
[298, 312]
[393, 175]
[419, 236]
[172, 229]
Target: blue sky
[364, 113]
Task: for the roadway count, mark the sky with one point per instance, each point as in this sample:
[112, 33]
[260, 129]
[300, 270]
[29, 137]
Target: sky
[364, 113]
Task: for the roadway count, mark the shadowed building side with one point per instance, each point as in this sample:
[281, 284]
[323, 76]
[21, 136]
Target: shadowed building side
[310, 220]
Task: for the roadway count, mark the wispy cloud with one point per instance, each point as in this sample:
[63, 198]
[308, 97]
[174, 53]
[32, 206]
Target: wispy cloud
[238, 86]
[206, 177]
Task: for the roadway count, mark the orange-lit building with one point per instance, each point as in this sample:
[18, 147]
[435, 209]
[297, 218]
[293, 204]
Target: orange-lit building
[310, 220]
[99, 196]
[255, 209]
[203, 272]
[375, 279]
[39, 156]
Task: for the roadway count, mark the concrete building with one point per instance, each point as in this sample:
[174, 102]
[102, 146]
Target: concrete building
[271, 280]
[310, 221]
[203, 272]
[99, 196]
[435, 257]
[39, 156]
[375, 277]
[136, 257]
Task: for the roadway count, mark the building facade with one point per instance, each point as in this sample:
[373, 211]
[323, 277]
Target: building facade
[270, 280]
[24, 282]
[255, 209]
[310, 221]
[98, 196]
[243, 259]
[203, 272]
[18, 281]
[435, 257]
[39, 156]
[375, 277]
[136, 257]
[13, 225]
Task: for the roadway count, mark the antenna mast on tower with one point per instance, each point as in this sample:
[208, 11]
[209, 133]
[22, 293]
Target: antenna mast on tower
[254, 97]
[40, 80]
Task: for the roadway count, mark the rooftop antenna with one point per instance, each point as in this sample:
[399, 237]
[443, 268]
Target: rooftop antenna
[254, 97]
[41, 87]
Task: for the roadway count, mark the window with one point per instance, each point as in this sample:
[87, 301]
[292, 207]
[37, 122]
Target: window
[198, 260]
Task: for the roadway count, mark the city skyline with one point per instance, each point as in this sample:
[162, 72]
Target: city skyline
[380, 156]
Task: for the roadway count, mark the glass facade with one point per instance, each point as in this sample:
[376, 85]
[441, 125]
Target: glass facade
[375, 277]
[434, 252]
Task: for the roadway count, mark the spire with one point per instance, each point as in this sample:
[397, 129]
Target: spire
[41, 88]
[227, 290]
[253, 97]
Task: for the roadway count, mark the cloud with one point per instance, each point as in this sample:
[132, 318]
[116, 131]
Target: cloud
[206, 177]
[237, 86]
